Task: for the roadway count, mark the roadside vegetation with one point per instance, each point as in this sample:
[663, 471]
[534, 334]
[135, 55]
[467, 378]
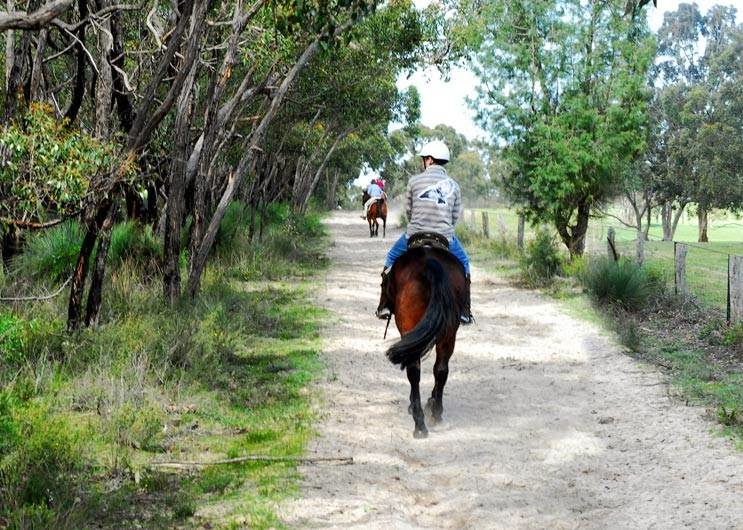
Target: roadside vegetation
[687, 337]
[85, 417]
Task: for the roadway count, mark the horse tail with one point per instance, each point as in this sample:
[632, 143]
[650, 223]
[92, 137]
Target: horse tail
[440, 317]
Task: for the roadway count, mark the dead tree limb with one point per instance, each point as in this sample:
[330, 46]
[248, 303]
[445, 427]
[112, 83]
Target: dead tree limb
[40, 18]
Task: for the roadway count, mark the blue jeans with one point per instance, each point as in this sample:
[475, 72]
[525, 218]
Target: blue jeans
[401, 245]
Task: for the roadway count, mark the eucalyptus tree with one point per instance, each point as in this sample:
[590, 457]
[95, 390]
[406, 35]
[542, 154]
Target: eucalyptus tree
[698, 134]
[562, 87]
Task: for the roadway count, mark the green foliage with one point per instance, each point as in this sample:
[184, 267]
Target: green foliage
[11, 338]
[733, 336]
[23, 340]
[541, 261]
[575, 268]
[48, 167]
[39, 465]
[629, 333]
[51, 253]
[290, 246]
[572, 114]
[132, 241]
[623, 283]
[233, 224]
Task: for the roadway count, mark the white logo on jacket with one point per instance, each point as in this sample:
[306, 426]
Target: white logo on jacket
[439, 192]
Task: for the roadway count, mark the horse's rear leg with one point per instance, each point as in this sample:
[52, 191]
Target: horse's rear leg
[435, 404]
[384, 227]
[371, 229]
[415, 408]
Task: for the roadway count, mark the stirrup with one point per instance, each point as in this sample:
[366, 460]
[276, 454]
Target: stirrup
[466, 320]
[383, 313]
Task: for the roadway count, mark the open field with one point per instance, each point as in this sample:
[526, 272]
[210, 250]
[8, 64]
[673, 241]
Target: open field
[707, 263]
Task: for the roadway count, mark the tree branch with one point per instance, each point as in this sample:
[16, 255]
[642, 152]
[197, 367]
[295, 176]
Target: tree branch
[38, 19]
[36, 298]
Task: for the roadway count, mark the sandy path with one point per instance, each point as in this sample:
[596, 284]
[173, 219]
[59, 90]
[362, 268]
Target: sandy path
[546, 423]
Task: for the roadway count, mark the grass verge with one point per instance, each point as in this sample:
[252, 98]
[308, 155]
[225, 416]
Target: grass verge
[692, 343]
[84, 417]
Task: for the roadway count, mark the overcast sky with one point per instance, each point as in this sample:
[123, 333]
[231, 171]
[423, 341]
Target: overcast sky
[444, 102]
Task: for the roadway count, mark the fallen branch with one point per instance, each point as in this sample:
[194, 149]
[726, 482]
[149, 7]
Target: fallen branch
[36, 298]
[344, 460]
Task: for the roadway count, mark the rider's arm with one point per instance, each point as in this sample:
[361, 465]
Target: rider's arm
[409, 201]
[457, 207]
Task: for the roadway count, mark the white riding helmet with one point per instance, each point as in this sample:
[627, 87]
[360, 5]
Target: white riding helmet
[435, 149]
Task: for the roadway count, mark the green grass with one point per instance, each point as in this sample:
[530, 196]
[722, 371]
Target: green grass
[706, 266]
[224, 376]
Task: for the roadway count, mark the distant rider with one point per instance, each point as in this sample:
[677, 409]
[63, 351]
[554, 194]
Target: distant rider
[375, 191]
[433, 204]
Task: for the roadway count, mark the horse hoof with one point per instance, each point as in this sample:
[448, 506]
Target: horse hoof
[420, 434]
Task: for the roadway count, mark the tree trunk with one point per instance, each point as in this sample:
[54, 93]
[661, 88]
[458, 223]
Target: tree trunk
[176, 194]
[574, 237]
[78, 91]
[95, 293]
[203, 245]
[666, 215]
[702, 217]
[677, 218]
[640, 247]
[74, 307]
[648, 215]
[16, 76]
[35, 86]
[316, 178]
[332, 190]
[9, 49]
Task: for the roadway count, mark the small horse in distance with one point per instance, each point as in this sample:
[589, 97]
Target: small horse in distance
[427, 289]
[377, 210]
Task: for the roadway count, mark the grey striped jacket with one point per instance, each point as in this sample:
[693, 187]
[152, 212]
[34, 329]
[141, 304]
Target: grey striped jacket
[433, 202]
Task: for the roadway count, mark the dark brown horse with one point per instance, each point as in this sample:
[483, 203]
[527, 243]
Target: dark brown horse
[377, 210]
[427, 287]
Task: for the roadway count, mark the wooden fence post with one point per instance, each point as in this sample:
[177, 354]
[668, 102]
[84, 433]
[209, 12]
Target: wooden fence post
[473, 225]
[520, 236]
[640, 247]
[611, 244]
[485, 224]
[735, 289]
[679, 252]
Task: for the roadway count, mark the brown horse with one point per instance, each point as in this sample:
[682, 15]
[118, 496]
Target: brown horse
[378, 210]
[427, 286]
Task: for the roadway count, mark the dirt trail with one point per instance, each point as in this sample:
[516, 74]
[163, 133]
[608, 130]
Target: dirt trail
[546, 423]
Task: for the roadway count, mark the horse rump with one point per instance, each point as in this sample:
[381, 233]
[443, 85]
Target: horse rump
[440, 317]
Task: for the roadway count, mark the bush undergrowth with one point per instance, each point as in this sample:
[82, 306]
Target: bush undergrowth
[81, 415]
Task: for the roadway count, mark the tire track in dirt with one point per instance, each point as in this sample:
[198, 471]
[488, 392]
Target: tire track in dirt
[546, 423]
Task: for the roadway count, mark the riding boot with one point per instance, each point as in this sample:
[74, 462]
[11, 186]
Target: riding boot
[466, 317]
[384, 311]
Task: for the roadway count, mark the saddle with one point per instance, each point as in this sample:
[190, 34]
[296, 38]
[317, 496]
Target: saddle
[428, 239]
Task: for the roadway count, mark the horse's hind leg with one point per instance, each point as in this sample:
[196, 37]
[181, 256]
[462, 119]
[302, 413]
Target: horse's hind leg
[435, 404]
[415, 408]
[384, 227]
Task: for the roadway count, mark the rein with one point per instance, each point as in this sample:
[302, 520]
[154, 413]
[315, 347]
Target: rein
[387, 326]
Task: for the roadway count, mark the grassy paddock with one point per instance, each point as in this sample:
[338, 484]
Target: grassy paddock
[706, 262]
[84, 417]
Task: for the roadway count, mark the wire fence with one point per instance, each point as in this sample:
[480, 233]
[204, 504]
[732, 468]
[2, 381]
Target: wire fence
[708, 272]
